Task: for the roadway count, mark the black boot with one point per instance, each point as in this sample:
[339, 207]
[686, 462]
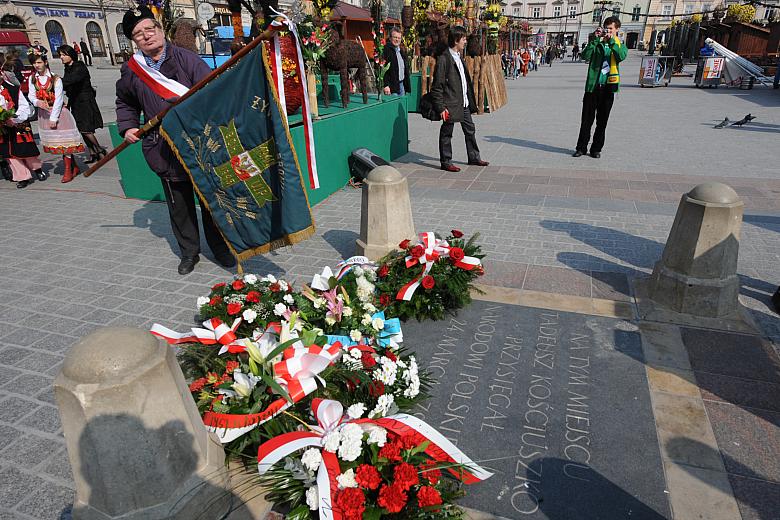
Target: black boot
[187, 264]
[40, 175]
[24, 184]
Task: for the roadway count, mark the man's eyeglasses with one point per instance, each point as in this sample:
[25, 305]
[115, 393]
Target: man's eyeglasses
[148, 31]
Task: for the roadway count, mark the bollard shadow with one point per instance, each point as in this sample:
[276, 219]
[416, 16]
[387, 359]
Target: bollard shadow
[525, 143]
[757, 496]
[560, 490]
[119, 470]
[342, 241]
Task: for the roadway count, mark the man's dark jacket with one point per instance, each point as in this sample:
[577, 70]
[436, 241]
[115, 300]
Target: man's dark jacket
[134, 97]
[391, 76]
[447, 91]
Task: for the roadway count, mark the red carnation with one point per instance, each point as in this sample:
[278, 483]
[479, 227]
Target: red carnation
[428, 282]
[457, 253]
[215, 300]
[408, 441]
[275, 287]
[368, 476]
[230, 366]
[417, 251]
[368, 360]
[457, 233]
[198, 384]
[383, 271]
[404, 244]
[390, 451]
[384, 300]
[217, 286]
[428, 496]
[352, 503]
[431, 473]
[253, 296]
[376, 388]
[406, 475]
[233, 308]
[238, 285]
[392, 498]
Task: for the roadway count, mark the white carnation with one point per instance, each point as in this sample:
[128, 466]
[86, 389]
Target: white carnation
[280, 309]
[366, 319]
[358, 271]
[370, 274]
[351, 442]
[347, 479]
[388, 372]
[288, 298]
[269, 278]
[311, 459]
[313, 498]
[355, 335]
[283, 285]
[355, 353]
[383, 405]
[378, 323]
[331, 441]
[347, 312]
[250, 278]
[249, 315]
[369, 307]
[356, 411]
[377, 435]
[202, 300]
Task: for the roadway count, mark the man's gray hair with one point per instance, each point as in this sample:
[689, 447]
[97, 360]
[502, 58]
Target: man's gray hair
[396, 29]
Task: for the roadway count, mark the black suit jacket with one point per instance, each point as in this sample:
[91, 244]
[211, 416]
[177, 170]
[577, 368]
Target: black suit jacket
[391, 76]
[447, 91]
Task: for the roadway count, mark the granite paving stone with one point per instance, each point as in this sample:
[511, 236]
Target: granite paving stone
[757, 499]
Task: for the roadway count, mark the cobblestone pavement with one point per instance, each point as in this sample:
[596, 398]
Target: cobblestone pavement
[79, 256]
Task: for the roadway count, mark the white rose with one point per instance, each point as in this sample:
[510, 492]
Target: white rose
[313, 498]
[347, 312]
[311, 459]
[270, 278]
[347, 479]
[280, 309]
[356, 411]
[250, 278]
[249, 315]
[378, 323]
[202, 300]
[355, 335]
[283, 285]
[369, 307]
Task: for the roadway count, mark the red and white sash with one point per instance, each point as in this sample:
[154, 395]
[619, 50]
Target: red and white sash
[164, 87]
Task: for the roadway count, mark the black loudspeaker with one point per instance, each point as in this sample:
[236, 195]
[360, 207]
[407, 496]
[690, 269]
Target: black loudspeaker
[362, 161]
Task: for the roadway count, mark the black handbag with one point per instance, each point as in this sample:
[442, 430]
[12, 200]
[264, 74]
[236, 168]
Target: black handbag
[427, 109]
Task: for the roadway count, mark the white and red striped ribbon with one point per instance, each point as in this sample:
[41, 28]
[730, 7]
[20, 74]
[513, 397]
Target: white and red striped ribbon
[308, 128]
[215, 332]
[167, 88]
[434, 249]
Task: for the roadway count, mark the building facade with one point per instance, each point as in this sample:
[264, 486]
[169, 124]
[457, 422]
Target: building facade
[557, 20]
[630, 12]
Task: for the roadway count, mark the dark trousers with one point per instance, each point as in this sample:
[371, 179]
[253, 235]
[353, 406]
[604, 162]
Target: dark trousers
[595, 105]
[87, 59]
[180, 198]
[445, 139]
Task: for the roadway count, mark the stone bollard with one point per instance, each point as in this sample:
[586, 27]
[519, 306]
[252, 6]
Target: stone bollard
[136, 443]
[697, 274]
[386, 213]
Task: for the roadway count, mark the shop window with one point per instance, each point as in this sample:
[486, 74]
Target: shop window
[10, 21]
[95, 38]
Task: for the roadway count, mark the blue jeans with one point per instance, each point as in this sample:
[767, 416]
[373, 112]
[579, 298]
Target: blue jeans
[401, 91]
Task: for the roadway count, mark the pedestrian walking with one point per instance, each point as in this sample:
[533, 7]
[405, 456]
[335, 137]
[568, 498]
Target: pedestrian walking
[81, 101]
[17, 143]
[537, 59]
[526, 58]
[453, 98]
[575, 53]
[56, 127]
[85, 52]
[549, 55]
[604, 53]
[157, 67]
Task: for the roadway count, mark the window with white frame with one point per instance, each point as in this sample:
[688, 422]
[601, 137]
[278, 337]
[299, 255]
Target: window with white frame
[572, 11]
[536, 12]
[556, 10]
[635, 13]
[688, 9]
[770, 12]
[596, 14]
[666, 10]
[516, 11]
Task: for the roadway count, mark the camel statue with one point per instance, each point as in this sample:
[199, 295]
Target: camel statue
[341, 56]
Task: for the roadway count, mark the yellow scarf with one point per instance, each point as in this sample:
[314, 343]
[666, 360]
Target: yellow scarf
[614, 75]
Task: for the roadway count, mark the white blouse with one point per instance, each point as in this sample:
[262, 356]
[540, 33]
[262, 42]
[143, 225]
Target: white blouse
[59, 98]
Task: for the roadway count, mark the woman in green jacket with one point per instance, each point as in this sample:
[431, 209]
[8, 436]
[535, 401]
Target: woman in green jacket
[603, 53]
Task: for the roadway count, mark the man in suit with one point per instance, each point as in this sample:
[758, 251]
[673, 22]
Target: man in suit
[397, 76]
[85, 52]
[453, 97]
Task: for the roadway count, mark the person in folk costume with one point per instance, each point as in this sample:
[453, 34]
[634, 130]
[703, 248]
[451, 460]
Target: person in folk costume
[157, 74]
[526, 57]
[56, 126]
[77, 84]
[17, 144]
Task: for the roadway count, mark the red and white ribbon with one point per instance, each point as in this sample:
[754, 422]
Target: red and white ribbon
[167, 88]
[308, 127]
[215, 332]
[434, 249]
[299, 372]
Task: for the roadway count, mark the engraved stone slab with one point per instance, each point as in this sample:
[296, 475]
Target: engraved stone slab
[556, 404]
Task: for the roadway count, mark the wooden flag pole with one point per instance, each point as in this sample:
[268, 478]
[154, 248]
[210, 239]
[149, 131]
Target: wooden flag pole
[156, 120]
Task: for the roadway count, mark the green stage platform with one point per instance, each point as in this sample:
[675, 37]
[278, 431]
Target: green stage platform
[380, 126]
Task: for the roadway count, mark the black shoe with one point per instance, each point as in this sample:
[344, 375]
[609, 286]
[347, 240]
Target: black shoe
[40, 175]
[187, 264]
[92, 159]
[595, 155]
[577, 153]
[24, 184]
[776, 300]
[226, 260]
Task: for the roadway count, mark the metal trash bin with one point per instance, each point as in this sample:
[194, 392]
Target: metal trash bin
[656, 71]
[709, 71]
